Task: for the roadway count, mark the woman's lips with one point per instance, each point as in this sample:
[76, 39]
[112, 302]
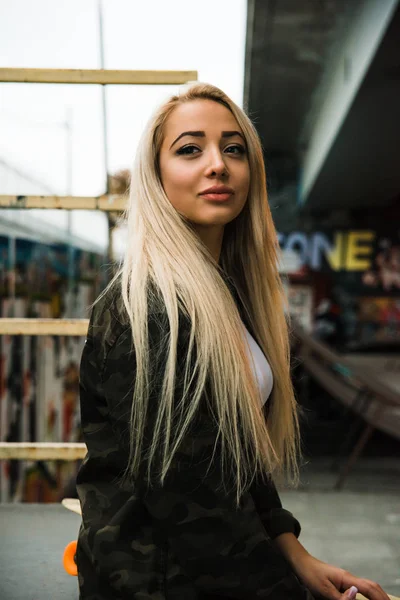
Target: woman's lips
[214, 197]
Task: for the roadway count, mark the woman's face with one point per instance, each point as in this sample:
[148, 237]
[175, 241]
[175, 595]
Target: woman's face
[203, 163]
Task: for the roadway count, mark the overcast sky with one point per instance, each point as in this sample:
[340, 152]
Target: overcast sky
[207, 36]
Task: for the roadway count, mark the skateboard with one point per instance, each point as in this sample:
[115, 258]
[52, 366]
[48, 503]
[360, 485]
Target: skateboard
[361, 597]
[69, 562]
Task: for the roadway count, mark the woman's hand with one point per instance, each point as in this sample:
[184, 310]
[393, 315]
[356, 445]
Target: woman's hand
[326, 581]
[323, 580]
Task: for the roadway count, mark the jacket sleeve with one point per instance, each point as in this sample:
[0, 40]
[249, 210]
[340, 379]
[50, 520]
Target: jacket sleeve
[275, 518]
[224, 549]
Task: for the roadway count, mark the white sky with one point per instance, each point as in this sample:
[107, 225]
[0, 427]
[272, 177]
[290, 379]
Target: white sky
[203, 35]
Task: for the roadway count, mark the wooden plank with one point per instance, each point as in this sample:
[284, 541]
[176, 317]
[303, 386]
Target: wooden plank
[96, 76]
[383, 385]
[330, 382]
[315, 345]
[75, 327]
[378, 387]
[41, 451]
[108, 202]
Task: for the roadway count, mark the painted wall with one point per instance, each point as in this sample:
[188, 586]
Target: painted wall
[39, 398]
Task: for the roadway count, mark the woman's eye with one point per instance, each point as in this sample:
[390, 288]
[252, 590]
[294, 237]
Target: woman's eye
[237, 149]
[188, 150]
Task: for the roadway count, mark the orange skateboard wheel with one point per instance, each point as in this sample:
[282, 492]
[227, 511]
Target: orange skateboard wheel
[69, 559]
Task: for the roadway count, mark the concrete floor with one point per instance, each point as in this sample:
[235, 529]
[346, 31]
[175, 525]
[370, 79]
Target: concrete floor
[357, 528]
[33, 538]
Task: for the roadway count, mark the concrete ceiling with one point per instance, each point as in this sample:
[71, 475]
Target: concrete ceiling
[288, 42]
[289, 45]
[362, 168]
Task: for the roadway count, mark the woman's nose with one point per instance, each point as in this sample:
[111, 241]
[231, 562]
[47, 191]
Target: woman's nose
[216, 164]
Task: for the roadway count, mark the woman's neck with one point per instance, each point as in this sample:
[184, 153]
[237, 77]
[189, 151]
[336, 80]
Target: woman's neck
[212, 238]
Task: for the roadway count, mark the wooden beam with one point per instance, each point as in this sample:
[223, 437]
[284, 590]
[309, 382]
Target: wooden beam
[370, 382]
[96, 76]
[41, 451]
[107, 202]
[70, 327]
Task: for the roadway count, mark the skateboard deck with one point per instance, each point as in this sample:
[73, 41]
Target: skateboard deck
[361, 597]
[72, 504]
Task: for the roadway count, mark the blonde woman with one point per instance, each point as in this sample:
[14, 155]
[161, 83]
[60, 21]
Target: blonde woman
[186, 399]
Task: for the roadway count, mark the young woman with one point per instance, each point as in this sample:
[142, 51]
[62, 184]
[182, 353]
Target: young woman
[186, 398]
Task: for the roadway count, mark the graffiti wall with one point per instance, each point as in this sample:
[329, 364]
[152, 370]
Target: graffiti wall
[39, 398]
[358, 272]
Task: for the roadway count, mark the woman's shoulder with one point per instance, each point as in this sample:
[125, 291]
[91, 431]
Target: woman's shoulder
[109, 317]
[108, 314]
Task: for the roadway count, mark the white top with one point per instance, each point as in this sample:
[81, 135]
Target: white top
[261, 368]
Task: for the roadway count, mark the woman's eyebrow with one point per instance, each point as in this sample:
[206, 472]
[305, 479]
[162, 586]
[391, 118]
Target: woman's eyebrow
[224, 134]
[191, 133]
[232, 133]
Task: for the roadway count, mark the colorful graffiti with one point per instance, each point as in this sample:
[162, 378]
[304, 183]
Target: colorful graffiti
[372, 259]
[39, 376]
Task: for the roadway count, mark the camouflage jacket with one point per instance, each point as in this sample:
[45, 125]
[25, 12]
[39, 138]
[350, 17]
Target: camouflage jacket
[185, 540]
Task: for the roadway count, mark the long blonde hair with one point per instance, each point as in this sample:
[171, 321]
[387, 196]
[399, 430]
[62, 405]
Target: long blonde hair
[163, 251]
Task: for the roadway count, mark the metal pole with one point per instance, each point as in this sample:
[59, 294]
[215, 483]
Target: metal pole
[71, 260]
[12, 278]
[103, 93]
[68, 127]
[68, 153]
[105, 123]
